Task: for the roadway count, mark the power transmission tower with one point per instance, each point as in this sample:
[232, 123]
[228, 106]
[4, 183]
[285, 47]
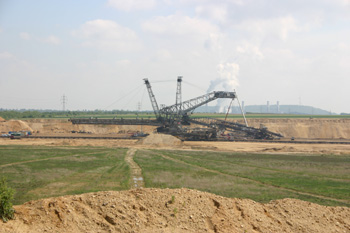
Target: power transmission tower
[64, 102]
[139, 106]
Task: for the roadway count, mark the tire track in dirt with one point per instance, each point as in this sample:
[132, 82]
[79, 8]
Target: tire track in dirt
[136, 171]
[258, 182]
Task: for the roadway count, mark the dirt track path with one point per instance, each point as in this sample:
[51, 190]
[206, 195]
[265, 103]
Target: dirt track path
[244, 178]
[136, 171]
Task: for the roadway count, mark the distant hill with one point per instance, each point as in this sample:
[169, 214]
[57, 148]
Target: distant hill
[283, 109]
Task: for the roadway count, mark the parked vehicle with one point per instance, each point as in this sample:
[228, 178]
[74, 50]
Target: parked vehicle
[16, 136]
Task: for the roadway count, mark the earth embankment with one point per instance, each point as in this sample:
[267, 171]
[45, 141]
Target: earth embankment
[308, 128]
[173, 210]
[52, 126]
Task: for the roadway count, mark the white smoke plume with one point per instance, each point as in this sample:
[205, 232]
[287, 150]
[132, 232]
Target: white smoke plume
[227, 80]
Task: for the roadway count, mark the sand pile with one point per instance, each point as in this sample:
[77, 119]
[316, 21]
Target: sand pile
[2, 119]
[179, 210]
[156, 139]
[14, 125]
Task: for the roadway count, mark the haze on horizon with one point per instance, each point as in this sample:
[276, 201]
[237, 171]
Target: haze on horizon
[97, 53]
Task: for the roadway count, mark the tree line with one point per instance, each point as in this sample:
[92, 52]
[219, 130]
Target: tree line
[20, 114]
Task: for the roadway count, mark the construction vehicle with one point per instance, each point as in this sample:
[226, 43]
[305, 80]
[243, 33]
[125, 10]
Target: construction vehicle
[176, 119]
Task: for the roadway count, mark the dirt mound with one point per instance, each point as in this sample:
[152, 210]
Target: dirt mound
[14, 125]
[178, 210]
[156, 139]
[2, 119]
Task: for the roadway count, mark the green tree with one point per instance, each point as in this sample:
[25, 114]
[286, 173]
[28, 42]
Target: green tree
[6, 197]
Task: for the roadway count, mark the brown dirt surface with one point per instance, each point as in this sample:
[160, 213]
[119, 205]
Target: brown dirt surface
[323, 128]
[173, 210]
[318, 128]
[14, 125]
[2, 119]
[330, 129]
[157, 139]
[135, 170]
[178, 210]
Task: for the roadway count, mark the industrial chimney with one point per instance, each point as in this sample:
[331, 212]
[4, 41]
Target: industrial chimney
[268, 106]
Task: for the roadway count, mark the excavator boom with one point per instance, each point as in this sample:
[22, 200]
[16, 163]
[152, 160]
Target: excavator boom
[182, 109]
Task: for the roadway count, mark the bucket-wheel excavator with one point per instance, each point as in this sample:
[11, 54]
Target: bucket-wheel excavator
[175, 119]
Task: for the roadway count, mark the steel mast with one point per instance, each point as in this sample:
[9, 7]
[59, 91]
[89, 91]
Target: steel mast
[178, 95]
[153, 100]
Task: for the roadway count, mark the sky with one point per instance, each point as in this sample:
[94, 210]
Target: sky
[96, 53]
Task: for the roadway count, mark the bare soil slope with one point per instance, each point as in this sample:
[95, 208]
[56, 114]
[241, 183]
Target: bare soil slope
[50, 126]
[64, 126]
[306, 128]
[14, 125]
[179, 210]
[298, 128]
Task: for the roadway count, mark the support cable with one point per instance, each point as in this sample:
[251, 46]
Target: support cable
[245, 120]
[228, 110]
[129, 93]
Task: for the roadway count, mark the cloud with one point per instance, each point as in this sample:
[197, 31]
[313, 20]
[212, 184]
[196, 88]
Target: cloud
[214, 12]
[54, 40]
[250, 50]
[25, 36]
[214, 42]
[51, 40]
[162, 55]
[179, 25]
[277, 27]
[123, 62]
[343, 45]
[7, 56]
[107, 34]
[132, 5]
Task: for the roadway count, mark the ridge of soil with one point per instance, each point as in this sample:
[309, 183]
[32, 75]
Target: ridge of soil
[173, 210]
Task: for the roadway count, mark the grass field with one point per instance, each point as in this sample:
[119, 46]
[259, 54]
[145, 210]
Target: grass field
[39, 172]
[324, 179]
